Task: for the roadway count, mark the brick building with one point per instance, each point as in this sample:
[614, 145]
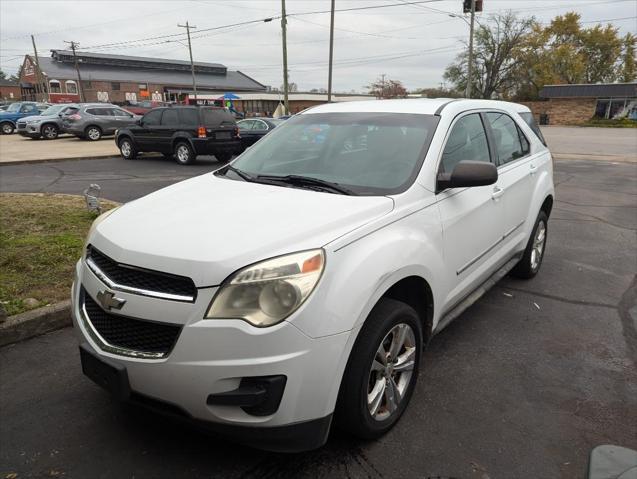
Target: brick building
[9, 90]
[267, 103]
[119, 78]
[577, 104]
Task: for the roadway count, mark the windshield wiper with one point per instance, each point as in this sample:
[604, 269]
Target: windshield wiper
[299, 180]
[242, 174]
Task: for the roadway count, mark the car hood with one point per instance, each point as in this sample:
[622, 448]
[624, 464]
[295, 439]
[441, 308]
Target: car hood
[39, 117]
[208, 227]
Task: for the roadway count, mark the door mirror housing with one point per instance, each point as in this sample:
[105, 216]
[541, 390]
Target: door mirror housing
[140, 122]
[467, 174]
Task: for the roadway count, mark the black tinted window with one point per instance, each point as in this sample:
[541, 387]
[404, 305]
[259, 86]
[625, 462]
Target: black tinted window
[170, 117]
[528, 118]
[214, 117]
[189, 116]
[510, 142]
[152, 117]
[118, 112]
[467, 141]
[99, 111]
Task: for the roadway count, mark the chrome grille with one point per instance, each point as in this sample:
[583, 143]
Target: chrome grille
[131, 279]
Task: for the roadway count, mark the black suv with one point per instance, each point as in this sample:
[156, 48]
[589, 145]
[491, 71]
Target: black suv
[182, 132]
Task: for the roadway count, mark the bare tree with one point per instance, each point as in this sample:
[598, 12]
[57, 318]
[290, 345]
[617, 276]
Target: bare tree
[383, 88]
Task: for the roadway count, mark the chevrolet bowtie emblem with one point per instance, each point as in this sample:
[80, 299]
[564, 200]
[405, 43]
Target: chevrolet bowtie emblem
[109, 301]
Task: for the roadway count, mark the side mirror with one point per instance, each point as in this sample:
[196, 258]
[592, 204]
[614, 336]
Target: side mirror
[140, 122]
[468, 174]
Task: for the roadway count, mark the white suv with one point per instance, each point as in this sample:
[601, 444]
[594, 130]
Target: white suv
[298, 285]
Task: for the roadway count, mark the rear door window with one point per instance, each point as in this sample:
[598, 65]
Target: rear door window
[170, 118]
[527, 116]
[189, 116]
[216, 117]
[510, 142]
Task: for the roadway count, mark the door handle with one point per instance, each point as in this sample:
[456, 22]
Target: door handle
[497, 192]
[533, 169]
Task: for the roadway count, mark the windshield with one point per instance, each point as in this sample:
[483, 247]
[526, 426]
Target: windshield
[53, 110]
[368, 153]
[14, 107]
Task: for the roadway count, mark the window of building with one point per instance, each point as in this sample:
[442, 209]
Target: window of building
[71, 87]
[54, 86]
[143, 86]
[115, 86]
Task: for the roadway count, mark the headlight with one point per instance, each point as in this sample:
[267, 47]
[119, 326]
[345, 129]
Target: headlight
[96, 222]
[266, 293]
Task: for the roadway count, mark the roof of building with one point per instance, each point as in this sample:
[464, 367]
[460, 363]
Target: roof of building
[292, 96]
[133, 61]
[590, 90]
[142, 71]
[7, 82]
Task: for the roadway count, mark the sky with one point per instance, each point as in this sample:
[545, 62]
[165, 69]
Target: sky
[412, 43]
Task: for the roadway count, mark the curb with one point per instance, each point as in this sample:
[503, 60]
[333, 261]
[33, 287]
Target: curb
[594, 157]
[55, 160]
[35, 322]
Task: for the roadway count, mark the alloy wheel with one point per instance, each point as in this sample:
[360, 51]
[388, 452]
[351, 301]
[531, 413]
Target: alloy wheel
[183, 153]
[49, 132]
[93, 134]
[538, 245]
[391, 371]
[125, 148]
[7, 129]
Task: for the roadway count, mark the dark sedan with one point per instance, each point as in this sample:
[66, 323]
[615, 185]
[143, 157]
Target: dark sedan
[253, 129]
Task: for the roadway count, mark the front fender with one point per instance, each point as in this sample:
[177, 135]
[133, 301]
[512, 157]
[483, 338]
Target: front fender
[358, 274]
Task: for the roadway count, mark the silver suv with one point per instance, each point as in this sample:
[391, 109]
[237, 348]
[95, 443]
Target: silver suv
[94, 120]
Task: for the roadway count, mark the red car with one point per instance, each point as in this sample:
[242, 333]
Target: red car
[143, 107]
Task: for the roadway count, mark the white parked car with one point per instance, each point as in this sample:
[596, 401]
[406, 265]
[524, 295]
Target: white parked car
[297, 286]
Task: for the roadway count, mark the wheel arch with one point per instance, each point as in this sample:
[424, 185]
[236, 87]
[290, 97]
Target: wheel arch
[92, 125]
[179, 137]
[416, 292]
[547, 205]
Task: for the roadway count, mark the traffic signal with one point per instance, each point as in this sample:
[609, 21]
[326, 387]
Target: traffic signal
[466, 6]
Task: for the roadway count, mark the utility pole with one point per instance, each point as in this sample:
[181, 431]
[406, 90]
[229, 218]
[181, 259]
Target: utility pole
[470, 65]
[382, 87]
[192, 65]
[74, 45]
[286, 103]
[329, 79]
[44, 87]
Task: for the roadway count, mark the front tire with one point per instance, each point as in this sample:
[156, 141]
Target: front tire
[382, 370]
[184, 155]
[49, 132]
[531, 261]
[127, 149]
[93, 133]
[7, 128]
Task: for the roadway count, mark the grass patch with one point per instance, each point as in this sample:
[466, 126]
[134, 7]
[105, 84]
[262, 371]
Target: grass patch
[41, 238]
[623, 123]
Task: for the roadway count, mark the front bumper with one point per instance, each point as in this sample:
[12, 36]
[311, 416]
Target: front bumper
[30, 131]
[213, 356]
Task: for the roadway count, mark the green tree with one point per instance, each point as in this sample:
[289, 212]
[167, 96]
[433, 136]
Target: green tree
[564, 52]
[495, 51]
[628, 68]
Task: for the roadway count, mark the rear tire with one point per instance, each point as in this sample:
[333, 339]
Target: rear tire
[93, 133]
[184, 155]
[49, 132]
[531, 261]
[127, 149]
[223, 157]
[7, 128]
[382, 370]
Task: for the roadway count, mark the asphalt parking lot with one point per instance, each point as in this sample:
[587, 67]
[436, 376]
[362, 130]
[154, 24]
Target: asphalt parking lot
[524, 384]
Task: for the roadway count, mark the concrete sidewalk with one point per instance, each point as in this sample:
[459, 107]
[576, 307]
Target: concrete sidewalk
[17, 149]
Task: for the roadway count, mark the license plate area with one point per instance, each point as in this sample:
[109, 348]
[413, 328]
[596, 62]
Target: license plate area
[222, 135]
[109, 375]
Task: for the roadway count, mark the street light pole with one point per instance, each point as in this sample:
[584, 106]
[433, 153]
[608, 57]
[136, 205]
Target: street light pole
[329, 78]
[470, 65]
[187, 26]
[285, 58]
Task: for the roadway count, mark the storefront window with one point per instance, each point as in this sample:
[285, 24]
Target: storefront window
[601, 109]
[71, 87]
